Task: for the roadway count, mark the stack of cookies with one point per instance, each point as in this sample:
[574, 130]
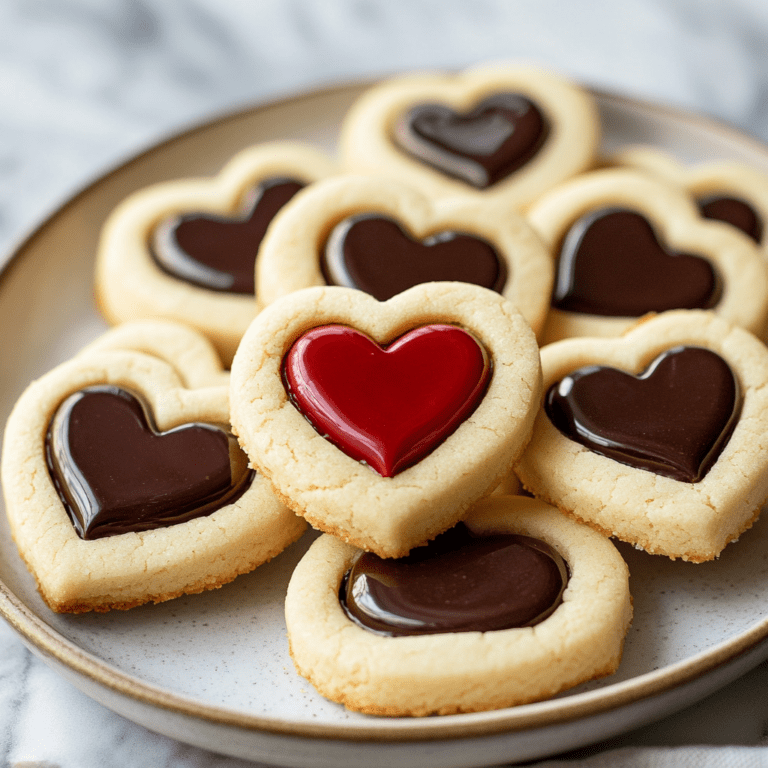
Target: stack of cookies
[469, 350]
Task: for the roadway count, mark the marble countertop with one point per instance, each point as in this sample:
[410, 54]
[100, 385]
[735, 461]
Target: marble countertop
[86, 83]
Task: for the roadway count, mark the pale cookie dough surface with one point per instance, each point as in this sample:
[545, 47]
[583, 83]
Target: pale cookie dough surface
[724, 177]
[464, 671]
[122, 571]
[366, 142]
[129, 283]
[290, 256]
[679, 226]
[340, 495]
[692, 521]
[189, 352]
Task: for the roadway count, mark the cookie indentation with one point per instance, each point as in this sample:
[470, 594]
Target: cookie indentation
[612, 264]
[218, 252]
[374, 254]
[459, 582]
[391, 406]
[116, 473]
[734, 211]
[673, 419]
[481, 147]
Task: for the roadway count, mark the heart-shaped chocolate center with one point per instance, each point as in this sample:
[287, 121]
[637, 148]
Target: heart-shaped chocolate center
[674, 419]
[499, 136]
[611, 263]
[216, 252]
[374, 254]
[388, 407]
[734, 211]
[115, 473]
[457, 583]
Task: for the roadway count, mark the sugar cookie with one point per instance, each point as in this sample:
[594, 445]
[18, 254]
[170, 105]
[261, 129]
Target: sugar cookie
[441, 426]
[628, 244]
[99, 502]
[383, 237]
[159, 254]
[661, 433]
[496, 131]
[463, 670]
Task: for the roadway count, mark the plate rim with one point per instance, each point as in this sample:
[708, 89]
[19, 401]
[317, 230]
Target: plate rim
[50, 644]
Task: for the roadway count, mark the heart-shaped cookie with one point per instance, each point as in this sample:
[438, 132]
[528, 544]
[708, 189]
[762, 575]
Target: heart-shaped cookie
[628, 244]
[726, 191]
[101, 507]
[678, 470]
[491, 132]
[162, 251]
[367, 669]
[191, 354]
[431, 484]
[388, 407]
[383, 237]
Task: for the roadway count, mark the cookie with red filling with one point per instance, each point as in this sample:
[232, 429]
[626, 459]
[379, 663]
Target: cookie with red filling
[381, 422]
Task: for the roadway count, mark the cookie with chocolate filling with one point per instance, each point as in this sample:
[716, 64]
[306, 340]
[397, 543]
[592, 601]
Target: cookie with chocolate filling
[383, 237]
[382, 422]
[122, 486]
[493, 132]
[190, 353]
[185, 250]
[514, 605]
[628, 244]
[657, 437]
[723, 190]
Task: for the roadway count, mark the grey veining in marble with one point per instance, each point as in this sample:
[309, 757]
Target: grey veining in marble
[85, 83]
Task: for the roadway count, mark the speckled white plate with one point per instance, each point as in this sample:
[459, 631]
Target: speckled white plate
[213, 669]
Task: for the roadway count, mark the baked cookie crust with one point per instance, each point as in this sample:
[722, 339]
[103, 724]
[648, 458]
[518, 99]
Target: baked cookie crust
[336, 493]
[122, 571]
[742, 268]
[289, 258]
[465, 671]
[692, 521]
[131, 286]
[366, 143]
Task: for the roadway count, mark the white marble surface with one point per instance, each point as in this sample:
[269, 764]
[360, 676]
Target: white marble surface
[85, 83]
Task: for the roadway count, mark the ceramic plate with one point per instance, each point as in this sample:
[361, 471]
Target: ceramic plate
[213, 669]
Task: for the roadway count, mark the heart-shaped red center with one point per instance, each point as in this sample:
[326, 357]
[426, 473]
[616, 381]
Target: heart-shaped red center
[115, 473]
[373, 254]
[612, 264]
[388, 407]
[480, 147]
[219, 252]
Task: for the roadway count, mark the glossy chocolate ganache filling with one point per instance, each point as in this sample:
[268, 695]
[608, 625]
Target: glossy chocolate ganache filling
[480, 147]
[612, 263]
[115, 473]
[374, 254]
[674, 419]
[219, 252]
[460, 582]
